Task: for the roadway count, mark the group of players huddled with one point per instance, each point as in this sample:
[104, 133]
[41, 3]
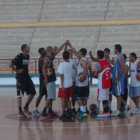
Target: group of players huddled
[75, 77]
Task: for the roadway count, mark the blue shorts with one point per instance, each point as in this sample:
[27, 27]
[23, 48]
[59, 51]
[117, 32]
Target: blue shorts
[118, 89]
[134, 91]
[82, 93]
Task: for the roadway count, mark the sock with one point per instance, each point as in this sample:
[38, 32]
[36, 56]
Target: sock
[26, 105]
[83, 108]
[20, 109]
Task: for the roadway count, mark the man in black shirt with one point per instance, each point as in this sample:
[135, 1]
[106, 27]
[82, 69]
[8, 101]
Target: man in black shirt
[42, 87]
[50, 78]
[24, 83]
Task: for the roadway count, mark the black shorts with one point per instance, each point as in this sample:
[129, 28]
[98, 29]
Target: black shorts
[25, 84]
[82, 92]
[42, 87]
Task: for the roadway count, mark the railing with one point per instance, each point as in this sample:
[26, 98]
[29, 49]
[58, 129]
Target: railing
[33, 65]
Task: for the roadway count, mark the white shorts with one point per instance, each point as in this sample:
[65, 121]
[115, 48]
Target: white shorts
[103, 94]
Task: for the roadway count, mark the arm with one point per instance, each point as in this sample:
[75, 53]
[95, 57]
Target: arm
[44, 69]
[126, 69]
[91, 73]
[73, 50]
[92, 58]
[62, 81]
[59, 49]
[121, 63]
[12, 66]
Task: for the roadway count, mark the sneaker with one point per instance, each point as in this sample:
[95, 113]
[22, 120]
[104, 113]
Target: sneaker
[104, 115]
[81, 115]
[136, 111]
[21, 115]
[26, 111]
[36, 112]
[74, 111]
[63, 116]
[127, 108]
[45, 116]
[52, 113]
[115, 114]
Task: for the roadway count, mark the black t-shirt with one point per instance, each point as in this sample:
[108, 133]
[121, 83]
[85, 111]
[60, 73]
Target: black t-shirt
[52, 77]
[21, 62]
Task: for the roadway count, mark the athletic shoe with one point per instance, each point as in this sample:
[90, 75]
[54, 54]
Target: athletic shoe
[46, 116]
[36, 112]
[21, 115]
[104, 115]
[127, 108]
[81, 115]
[74, 111]
[136, 111]
[26, 111]
[117, 113]
[52, 114]
[63, 116]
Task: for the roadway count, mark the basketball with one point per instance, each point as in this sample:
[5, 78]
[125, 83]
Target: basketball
[81, 77]
[138, 76]
[92, 107]
[49, 71]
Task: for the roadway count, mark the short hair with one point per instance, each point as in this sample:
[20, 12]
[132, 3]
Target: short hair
[133, 54]
[48, 48]
[125, 57]
[66, 55]
[100, 54]
[83, 51]
[23, 46]
[118, 47]
[107, 50]
[40, 50]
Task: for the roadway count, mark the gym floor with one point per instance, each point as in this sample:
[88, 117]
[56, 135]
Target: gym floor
[37, 129]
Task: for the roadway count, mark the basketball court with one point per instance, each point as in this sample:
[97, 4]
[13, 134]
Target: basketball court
[35, 128]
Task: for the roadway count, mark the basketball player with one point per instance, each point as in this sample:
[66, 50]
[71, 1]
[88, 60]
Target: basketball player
[50, 79]
[66, 86]
[106, 56]
[134, 90]
[82, 88]
[118, 77]
[24, 83]
[42, 88]
[102, 71]
[74, 63]
[124, 107]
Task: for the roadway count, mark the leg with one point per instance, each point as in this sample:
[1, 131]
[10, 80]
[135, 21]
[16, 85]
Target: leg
[119, 102]
[136, 101]
[63, 104]
[19, 102]
[38, 100]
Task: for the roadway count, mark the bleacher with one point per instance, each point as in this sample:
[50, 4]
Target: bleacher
[91, 37]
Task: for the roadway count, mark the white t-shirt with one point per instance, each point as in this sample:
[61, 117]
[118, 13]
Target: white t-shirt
[66, 69]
